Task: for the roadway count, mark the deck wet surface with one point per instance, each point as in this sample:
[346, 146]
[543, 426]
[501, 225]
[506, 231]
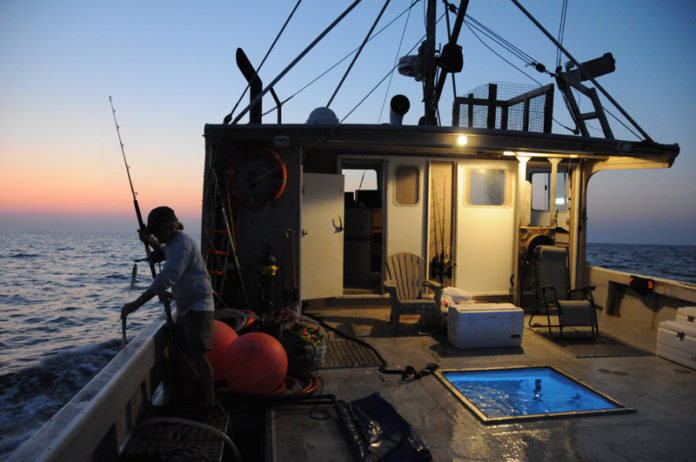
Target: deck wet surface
[660, 391]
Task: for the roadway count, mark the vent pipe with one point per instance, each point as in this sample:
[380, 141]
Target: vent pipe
[399, 106]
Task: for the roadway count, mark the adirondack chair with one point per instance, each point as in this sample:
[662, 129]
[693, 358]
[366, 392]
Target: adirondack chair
[575, 308]
[405, 283]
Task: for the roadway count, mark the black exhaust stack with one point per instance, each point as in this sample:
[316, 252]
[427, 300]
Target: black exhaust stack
[255, 85]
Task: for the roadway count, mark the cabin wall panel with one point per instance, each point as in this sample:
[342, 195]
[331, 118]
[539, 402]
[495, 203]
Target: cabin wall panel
[258, 230]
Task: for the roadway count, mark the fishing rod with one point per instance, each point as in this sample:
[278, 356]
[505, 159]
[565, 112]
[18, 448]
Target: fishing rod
[141, 229]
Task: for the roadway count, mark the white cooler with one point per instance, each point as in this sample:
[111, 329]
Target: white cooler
[686, 313]
[484, 325]
[676, 341]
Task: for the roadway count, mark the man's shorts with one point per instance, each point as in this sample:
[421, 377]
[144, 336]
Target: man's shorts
[195, 330]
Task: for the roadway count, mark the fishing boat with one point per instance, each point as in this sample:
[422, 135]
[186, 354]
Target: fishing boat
[476, 202]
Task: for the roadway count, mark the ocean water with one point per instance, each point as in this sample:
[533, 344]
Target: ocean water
[676, 262]
[60, 300]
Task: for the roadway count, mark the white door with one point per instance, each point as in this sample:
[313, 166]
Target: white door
[405, 181]
[321, 256]
[485, 227]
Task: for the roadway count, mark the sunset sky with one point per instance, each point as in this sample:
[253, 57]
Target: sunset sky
[170, 67]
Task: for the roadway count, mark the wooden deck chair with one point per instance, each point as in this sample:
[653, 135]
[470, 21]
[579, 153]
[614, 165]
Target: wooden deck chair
[405, 283]
[574, 308]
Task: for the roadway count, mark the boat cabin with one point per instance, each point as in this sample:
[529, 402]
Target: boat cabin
[313, 210]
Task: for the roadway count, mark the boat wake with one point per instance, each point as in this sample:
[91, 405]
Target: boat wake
[29, 397]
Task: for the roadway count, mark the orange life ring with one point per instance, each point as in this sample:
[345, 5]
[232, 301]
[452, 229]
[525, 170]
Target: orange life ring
[240, 178]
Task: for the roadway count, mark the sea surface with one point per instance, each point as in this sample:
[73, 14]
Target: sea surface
[60, 300]
[676, 262]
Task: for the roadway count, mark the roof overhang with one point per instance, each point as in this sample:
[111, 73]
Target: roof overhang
[443, 142]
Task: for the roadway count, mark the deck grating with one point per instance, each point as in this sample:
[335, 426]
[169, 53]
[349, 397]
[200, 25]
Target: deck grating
[345, 353]
[169, 441]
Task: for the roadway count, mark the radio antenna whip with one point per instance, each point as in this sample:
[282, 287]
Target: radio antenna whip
[141, 224]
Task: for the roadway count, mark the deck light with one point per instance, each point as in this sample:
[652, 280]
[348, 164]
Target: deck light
[548, 155]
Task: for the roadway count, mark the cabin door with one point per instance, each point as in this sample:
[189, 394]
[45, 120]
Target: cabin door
[363, 238]
[485, 228]
[405, 205]
[321, 262]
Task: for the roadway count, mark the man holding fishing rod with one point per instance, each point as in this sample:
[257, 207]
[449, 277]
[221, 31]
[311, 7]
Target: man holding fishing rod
[184, 271]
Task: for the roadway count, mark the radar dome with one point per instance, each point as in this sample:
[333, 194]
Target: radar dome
[322, 115]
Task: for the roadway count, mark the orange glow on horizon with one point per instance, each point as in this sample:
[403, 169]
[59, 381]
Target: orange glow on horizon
[79, 192]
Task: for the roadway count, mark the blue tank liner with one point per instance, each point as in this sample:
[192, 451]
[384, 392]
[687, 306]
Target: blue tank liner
[498, 395]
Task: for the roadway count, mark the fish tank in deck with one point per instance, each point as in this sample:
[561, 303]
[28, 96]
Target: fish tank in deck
[525, 393]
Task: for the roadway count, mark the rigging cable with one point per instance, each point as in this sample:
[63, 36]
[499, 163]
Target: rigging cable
[296, 60]
[355, 58]
[617, 119]
[282, 29]
[383, 79]
[529, 60]
[559, 68]
[561, 33]
[408, 9]
[517, 52]
[473, 31]
[579, 66]
[396, 60]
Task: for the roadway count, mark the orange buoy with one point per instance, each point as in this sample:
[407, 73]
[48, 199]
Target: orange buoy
[256, 363]
[223, 336]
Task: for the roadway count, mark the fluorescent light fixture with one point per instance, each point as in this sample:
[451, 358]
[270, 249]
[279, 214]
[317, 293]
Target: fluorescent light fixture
[548, 155]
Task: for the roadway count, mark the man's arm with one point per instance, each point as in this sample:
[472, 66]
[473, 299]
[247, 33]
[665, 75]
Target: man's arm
[128, 308]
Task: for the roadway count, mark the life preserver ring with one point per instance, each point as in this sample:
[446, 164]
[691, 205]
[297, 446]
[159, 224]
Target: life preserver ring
[240, 179]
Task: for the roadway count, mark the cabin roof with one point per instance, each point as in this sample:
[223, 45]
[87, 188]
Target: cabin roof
[440, 141]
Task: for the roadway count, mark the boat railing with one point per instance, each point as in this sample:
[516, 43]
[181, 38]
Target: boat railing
[529, 110]
[637, 307]
[95, 423]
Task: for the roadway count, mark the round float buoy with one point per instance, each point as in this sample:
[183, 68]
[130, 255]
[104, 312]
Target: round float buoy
[255, 363]
[223, 336]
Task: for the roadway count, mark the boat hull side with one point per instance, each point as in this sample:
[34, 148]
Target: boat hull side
[95, 424]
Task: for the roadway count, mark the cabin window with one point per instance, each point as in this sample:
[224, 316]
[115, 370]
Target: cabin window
[488, 187]
[406, 191]
[541, 190]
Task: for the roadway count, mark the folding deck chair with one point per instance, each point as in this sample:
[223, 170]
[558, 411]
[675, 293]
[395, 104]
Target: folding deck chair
[574, 308]
[405, 283]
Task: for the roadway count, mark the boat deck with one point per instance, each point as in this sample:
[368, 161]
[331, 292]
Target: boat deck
[661, 392]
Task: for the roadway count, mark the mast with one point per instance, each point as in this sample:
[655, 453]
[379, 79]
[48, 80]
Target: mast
[449, 59]
[427, 51]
